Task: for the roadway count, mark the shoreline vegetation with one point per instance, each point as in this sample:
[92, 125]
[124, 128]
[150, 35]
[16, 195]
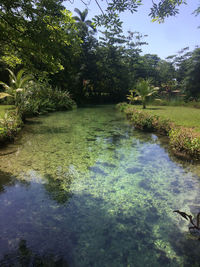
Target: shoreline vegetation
[11, 123]
[13, 117]
[183, 141]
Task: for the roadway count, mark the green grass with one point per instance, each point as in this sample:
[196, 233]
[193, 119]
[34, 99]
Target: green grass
[4, 108]
[182, 116]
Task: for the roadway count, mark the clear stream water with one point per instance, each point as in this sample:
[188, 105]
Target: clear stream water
[83, 188]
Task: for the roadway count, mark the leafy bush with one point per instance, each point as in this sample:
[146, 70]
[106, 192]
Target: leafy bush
[10, 125]
[147, 122]
[185, 141]
[41, 98]
[122, 106]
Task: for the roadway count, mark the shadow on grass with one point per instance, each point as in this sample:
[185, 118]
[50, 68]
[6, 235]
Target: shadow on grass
[155, 108]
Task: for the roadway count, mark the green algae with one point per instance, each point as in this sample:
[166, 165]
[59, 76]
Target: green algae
[86, 186]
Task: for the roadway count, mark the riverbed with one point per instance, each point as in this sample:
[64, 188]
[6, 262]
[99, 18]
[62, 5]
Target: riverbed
[84, 188]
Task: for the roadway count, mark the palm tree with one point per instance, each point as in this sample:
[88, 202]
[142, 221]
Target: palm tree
[18, 83]
[144, 90]
[81, 20]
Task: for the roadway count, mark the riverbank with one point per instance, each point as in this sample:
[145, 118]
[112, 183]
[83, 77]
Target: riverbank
[179, 124]
[10, 123]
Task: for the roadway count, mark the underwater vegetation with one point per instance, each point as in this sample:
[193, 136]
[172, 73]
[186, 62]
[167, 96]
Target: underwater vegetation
[86, 188]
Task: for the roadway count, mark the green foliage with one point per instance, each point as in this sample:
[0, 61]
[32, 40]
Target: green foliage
[122, 106]
[165, 8]
[147, 122]
[144, 90]
[10, 125]
[18, 83]
[35, 33]
[185, 141]
[41, 98]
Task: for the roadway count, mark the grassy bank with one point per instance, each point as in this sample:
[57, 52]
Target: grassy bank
[181, 116]
[180, 124]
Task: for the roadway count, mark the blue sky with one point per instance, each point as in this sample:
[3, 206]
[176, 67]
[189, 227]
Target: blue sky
[164, 39]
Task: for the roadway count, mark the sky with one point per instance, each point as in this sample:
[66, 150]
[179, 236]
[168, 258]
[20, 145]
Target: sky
[163, 39]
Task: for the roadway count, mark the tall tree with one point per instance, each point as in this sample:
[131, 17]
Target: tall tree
[34, 33]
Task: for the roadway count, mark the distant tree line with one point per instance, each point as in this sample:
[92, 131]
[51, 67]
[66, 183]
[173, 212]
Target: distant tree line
[53, 45]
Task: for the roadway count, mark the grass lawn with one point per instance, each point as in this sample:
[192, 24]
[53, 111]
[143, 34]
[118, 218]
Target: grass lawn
[184, 116]
[3, 109]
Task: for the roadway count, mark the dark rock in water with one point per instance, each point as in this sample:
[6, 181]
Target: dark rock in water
[176, 190]
[97, 170]
[145, 159]
[174, 183]
[163, 259]
[158, 195]
[91, 139]
[106, 164]
[99, 130]
[145, 184]
[111, 148]
[152, 215]
[133, 170]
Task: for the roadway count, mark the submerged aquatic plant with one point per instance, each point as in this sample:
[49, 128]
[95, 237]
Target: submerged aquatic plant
[195, 226]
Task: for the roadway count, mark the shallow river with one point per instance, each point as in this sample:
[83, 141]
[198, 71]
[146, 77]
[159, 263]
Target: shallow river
[83, 188]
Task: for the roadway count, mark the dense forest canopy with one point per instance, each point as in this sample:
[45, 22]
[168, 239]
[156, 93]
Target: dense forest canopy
[61, 48]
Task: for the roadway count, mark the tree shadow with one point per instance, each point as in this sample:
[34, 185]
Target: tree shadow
[5, 180]
[154, 108]
[24, 256]
[84, 230]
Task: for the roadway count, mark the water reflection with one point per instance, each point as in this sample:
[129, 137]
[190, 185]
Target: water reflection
[24, 256]
[96, 192]
[58, 189]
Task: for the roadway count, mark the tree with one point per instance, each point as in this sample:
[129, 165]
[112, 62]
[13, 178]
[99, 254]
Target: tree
[144, 90]
[158, 12]
[17, 84]
[34, 33]
[191, 79]
[82, 22]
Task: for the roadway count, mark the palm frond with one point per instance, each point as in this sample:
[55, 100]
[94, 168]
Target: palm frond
[84, 14]
[26, 79]
[19, 77]
[3, 95]
[12, 76]
[78, 11]
[77, 18]
[7, 87]
[89, 24]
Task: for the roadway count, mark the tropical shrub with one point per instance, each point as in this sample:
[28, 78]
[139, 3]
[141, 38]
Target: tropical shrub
[147, 122]
[41, 98]
[122, 106]
[10, 125]
[18, 83]
[143, 90]
[185, 141]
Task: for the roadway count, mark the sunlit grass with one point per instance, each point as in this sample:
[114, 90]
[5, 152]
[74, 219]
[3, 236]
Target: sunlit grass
[183, 116]
[4, 108]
